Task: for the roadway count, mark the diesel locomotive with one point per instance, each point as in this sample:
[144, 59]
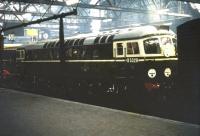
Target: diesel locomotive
[133, 62]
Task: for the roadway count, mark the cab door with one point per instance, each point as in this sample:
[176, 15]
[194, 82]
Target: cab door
[119, 49]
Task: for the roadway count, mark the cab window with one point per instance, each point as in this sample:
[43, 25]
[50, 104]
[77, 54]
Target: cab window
[165, 41]
[119, 49]
[174, 43]
[132, 48]
[151, 46]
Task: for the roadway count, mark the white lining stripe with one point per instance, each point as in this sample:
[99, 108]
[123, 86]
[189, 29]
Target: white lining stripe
[113, 60]
[50, 61]
[122, 60]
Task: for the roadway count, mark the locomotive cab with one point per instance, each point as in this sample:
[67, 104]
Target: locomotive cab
[156, 46]
[151, 58]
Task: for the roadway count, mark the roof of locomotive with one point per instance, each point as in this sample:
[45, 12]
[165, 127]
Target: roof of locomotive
[103, 37]
[140, 32]
[37, 45]
[129, 33]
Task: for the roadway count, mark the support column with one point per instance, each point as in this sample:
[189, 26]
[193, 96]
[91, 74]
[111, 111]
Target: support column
[61, 41]
[1, 53]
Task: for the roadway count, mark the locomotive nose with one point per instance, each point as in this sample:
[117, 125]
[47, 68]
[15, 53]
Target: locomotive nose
[158, 78]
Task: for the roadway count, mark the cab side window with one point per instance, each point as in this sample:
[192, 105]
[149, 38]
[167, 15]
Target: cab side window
[132, 48]
[119, 49]
[174, 43]
[152, 46]
[165, 41]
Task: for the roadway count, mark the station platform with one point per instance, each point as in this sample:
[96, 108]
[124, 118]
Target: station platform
[25, 114]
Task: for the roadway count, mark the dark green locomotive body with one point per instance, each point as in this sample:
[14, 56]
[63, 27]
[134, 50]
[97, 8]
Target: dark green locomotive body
[132, 63]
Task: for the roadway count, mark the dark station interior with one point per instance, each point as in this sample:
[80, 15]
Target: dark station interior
[99, 68]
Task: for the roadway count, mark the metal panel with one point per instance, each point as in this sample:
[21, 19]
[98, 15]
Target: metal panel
[89, 41]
